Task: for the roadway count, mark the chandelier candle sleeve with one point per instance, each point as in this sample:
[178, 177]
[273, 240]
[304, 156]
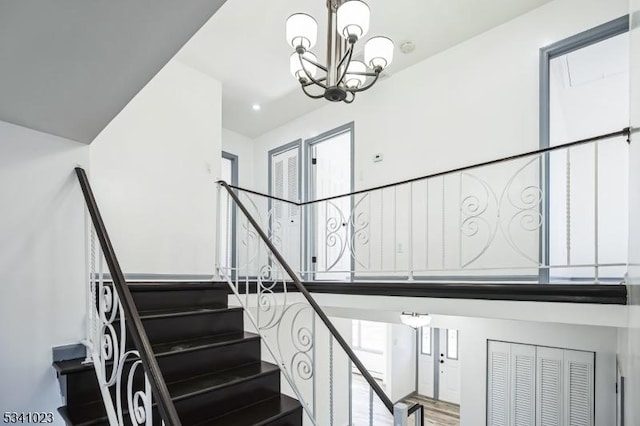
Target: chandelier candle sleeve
[352, 80]
[302, 30]
[296, 67]
[342, 76]
[378, 52]
[353, 19]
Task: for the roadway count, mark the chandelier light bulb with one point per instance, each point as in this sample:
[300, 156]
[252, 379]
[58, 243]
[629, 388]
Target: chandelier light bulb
[296, 67]
[378, 52]
[353, 19]
[301, 31]
[353, 81]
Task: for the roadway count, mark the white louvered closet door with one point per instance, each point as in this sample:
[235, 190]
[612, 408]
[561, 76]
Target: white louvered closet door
[579, 377]
[498, 389]
[285, 217]
[523, 385]
[549, 394]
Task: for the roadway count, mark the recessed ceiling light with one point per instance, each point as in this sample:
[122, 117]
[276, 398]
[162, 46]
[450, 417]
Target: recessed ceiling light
[256, 107]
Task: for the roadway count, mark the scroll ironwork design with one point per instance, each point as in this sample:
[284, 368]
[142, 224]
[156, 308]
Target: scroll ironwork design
[515, 210]
[123, 383]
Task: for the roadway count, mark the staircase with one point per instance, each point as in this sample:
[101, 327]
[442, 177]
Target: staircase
[212, 367]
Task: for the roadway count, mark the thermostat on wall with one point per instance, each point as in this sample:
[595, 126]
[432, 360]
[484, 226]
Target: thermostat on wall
[377, 158]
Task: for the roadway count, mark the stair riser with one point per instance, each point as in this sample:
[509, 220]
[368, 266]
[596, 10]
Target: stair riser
[186, 327]
[195, 363]
[148, 300]
[229, 398]
[83, 388]
[171, 329]
[292, 419]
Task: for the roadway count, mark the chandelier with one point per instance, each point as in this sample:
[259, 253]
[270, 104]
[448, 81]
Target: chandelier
[342, 77]
[415, 320]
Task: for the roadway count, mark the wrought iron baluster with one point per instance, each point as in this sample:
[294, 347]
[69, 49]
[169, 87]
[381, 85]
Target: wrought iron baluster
[596, 223]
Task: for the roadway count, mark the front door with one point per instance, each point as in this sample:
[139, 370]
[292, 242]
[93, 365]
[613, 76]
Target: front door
[449, 370]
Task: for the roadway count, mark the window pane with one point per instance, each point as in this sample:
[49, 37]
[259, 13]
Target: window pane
[452, 344]
[425, 348]
[374, 336]
[356, 334]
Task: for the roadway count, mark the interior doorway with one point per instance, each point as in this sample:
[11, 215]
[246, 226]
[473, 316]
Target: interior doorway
[330, 173]
[439, 364]
[284, 219]
[585, 93]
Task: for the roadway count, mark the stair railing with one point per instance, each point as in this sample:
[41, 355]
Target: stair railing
[300, 337]
[111, 312]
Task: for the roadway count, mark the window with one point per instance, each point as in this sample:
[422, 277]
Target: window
[369, 336]
[452, 344]
[369, 342]
[425, 340]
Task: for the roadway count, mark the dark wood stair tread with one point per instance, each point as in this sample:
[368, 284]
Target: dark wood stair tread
[220, 379]
[259, 414]
[178, 312]
[85, 415]
[164, 349]
[177, 285]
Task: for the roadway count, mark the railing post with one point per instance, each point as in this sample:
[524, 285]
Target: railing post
[419, 416]
[216, 249]
[410, 231]
[88, 248]
[400, 414]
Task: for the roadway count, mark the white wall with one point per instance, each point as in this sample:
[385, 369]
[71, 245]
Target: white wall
[479, 97]
[401, 362]
[242, 146]
[154, 171]
[42, 263]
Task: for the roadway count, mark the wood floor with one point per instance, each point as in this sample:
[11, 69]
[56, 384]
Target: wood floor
[437, 413]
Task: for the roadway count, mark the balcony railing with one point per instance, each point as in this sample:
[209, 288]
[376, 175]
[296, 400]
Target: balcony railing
[557, 214]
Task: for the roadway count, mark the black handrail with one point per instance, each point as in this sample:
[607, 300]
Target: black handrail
[132, 318]
[627, 131]
[296, 281]
[417, 407]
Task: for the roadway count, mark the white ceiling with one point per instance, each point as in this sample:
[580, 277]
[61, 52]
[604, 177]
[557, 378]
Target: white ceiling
[67, 67]
[244, 47]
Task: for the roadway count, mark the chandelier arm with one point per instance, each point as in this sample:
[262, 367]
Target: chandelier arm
[312, 62]
[368, 74]
[363, 88]
[344, 73]
[353, 98]
[309, 83]
[308, 74]
[304, 89]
